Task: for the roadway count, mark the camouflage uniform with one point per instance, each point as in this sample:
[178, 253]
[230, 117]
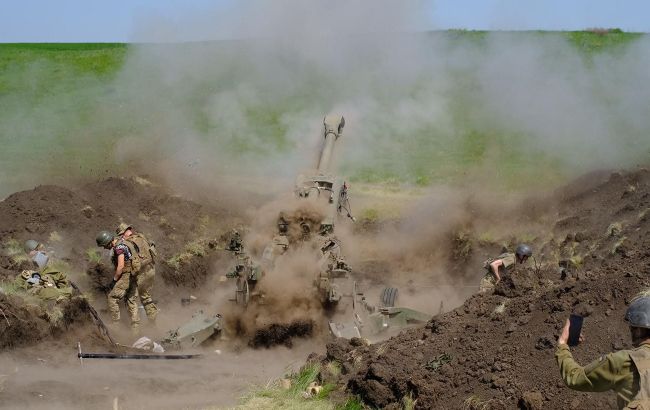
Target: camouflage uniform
[124, 288]
[144, 284]
[489, 280]
[619, 371]
[53, 285]
[144, 271]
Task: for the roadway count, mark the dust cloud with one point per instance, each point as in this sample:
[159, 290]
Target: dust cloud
[239, 91]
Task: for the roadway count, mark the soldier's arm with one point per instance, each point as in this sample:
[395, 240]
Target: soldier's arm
[119, 267]
[495, 268]
[600, 375]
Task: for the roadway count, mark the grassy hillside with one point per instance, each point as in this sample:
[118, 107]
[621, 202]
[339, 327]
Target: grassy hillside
[63, 114]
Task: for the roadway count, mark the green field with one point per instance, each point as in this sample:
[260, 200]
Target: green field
[70, 110]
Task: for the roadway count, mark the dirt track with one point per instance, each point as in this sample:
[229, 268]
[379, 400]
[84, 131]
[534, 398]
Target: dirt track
[500, 346]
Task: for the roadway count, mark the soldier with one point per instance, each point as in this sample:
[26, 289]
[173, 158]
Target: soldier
[122, 286]
[627, 372]
[46, 282]
[504, 263]
[145, 252]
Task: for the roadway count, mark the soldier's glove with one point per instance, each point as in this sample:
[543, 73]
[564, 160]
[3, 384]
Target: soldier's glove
[111, 285]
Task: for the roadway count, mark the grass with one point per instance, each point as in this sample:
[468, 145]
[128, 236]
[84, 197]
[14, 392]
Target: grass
[10, 288]
[614, 229]
[93, 255]
[71, 90]
[476, 403]
[275, 396]
[192, 249]
[408, 402]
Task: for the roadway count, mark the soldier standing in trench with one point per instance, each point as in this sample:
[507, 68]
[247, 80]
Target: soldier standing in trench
[504, 263]
[145, 251]
[122, 285]
[627, 372]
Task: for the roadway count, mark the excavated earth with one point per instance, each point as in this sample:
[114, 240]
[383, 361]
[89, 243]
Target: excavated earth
[496, 351]
[188, 238]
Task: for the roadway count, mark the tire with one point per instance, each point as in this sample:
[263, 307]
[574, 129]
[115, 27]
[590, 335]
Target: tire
[388, 297]
[242, 294]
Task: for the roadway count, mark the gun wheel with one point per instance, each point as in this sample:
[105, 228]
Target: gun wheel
[388, 297]
[243, 293]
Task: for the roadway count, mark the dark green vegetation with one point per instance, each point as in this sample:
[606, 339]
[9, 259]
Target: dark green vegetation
[80, 110]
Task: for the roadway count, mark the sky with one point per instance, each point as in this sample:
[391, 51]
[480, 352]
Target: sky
[118, 20]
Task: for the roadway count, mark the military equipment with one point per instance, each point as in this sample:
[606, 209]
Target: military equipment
[334, 272]
[30, 245]
[193, 333]
[40, 259]
[103, 330]
[323, 187]
[638, 313]
[104, 238]
[321, 183]
[523, 250]
[247, 276]
[375, 322]
[133, 356]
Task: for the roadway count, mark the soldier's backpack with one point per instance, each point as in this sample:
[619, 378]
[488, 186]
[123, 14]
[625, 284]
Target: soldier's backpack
[142, 252]
[641, 359]
[488, 262]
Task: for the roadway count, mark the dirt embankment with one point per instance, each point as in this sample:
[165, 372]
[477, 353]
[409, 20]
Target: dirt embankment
[497, 350]
[186, 234]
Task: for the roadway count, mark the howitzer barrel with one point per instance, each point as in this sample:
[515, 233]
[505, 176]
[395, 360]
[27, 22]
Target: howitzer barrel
[333, 130]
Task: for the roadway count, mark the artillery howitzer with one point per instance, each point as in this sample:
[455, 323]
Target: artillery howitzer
[321, 183]
[331, 193]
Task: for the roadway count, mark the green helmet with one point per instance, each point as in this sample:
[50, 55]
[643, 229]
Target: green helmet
[30, 245]
[638, 313]
[104, 238]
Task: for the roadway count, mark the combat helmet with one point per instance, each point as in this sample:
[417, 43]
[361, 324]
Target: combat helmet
[30, 245]
[104, 238]
[121, 228]
[638, 313]
[523, 250]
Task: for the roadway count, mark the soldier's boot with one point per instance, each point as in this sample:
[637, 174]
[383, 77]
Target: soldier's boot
[151, 310]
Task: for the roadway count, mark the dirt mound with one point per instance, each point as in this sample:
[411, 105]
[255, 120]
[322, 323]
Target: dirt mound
[497, 350]
[23, 324]
[19, 325]
[67, 219]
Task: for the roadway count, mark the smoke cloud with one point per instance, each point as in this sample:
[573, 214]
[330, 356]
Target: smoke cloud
[247, 96]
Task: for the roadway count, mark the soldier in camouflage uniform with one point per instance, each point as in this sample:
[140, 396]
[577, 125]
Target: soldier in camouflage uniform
[122, 285]
[44, 282]
[502, 264]
[144, 277]
[627, 372]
